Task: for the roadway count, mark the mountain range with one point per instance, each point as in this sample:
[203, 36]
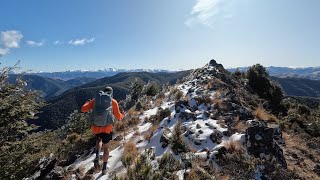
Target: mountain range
[312, 73]
[101, 73]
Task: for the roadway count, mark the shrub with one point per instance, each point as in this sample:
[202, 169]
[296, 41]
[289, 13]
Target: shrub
[129, 154]
[119, 126]
[178, 145]
[168, 164]
[304, 110]
[175, 94]
[77, 123]
[260, 82]
[151, 89]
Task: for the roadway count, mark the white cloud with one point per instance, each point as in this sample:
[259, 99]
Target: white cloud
[81, 42]
[35, 44]
[4, 51]
[11, 39]
[206, 12]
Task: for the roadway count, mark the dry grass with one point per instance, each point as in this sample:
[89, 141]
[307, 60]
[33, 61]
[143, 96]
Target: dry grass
[295, 145]
[233, 146]
[119, 126]
[261, 114]
[197, 173]
[148, 135]
[132, 112]
[129, 154]
[158, 102]
[218, 103]
[240, 125]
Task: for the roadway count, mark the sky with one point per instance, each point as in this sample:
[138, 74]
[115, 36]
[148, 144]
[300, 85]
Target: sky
[64, 35]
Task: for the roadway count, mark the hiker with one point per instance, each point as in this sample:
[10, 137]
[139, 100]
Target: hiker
[105, 108]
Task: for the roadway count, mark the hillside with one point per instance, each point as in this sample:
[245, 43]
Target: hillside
[58, 109]
[299, 86]
[312, 73]
[46, 86]
[209, 126]
[80, 81]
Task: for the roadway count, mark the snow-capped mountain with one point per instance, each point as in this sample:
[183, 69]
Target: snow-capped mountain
[100, 73]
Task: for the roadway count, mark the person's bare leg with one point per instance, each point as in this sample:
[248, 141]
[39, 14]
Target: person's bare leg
[105, 155]
[105, 152]
[97, 149]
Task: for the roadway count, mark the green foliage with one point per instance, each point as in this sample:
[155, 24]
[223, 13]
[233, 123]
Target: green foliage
[260, 82]
[142, 169]
[136, 90]
[168, 164]
[304, 110]
[178, 145]
[161, 114]
[77, 123]
[175, 94]
[151, 89]
[16, 106]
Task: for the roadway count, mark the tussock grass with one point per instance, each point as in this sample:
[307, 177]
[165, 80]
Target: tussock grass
[148, 135]
[129, 154]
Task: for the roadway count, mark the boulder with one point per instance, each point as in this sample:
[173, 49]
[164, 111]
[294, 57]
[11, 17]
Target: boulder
[216, 137]
[214, 63]
[260, 143]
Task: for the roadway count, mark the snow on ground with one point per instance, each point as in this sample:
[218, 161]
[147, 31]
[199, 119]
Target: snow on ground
[202, 127]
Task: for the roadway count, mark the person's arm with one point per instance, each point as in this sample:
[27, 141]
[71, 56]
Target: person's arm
[88, 106]
[116, 110]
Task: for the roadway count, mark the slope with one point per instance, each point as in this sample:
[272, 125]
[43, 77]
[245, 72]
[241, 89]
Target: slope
[46, 86]
[58, 109]
[299, 86]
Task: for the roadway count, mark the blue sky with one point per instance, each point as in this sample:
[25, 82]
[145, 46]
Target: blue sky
[163, 34]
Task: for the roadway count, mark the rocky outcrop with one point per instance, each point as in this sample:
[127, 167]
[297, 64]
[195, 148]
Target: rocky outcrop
[260, 143]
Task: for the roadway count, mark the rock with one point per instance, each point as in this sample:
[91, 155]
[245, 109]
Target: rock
[45, 166]
[187, 116]
[218, 153]
[214, 63]
[294, 155]
[198, 142]
[198, 126]
[216, 137]
[56, 174]
[179, 105]
[244, 113]
[200, 131]
[118, 138]
[165, 139]
[316, 169]
[260, 143]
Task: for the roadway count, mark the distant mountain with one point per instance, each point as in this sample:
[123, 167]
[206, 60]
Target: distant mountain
[46, 86]
[286, 72]
[58, 109]
[80, 81]
[299, 86]
[67, 75]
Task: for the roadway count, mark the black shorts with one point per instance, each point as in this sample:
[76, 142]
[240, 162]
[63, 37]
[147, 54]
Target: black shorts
[106, 137]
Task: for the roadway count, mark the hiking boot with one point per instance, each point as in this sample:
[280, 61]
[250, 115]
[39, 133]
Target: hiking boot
[96, 164]
[104, 171]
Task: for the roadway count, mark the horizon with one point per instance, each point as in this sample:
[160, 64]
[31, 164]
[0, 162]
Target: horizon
[171, 35]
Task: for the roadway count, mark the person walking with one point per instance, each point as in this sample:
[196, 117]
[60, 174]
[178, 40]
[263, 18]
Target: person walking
[105, 111]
